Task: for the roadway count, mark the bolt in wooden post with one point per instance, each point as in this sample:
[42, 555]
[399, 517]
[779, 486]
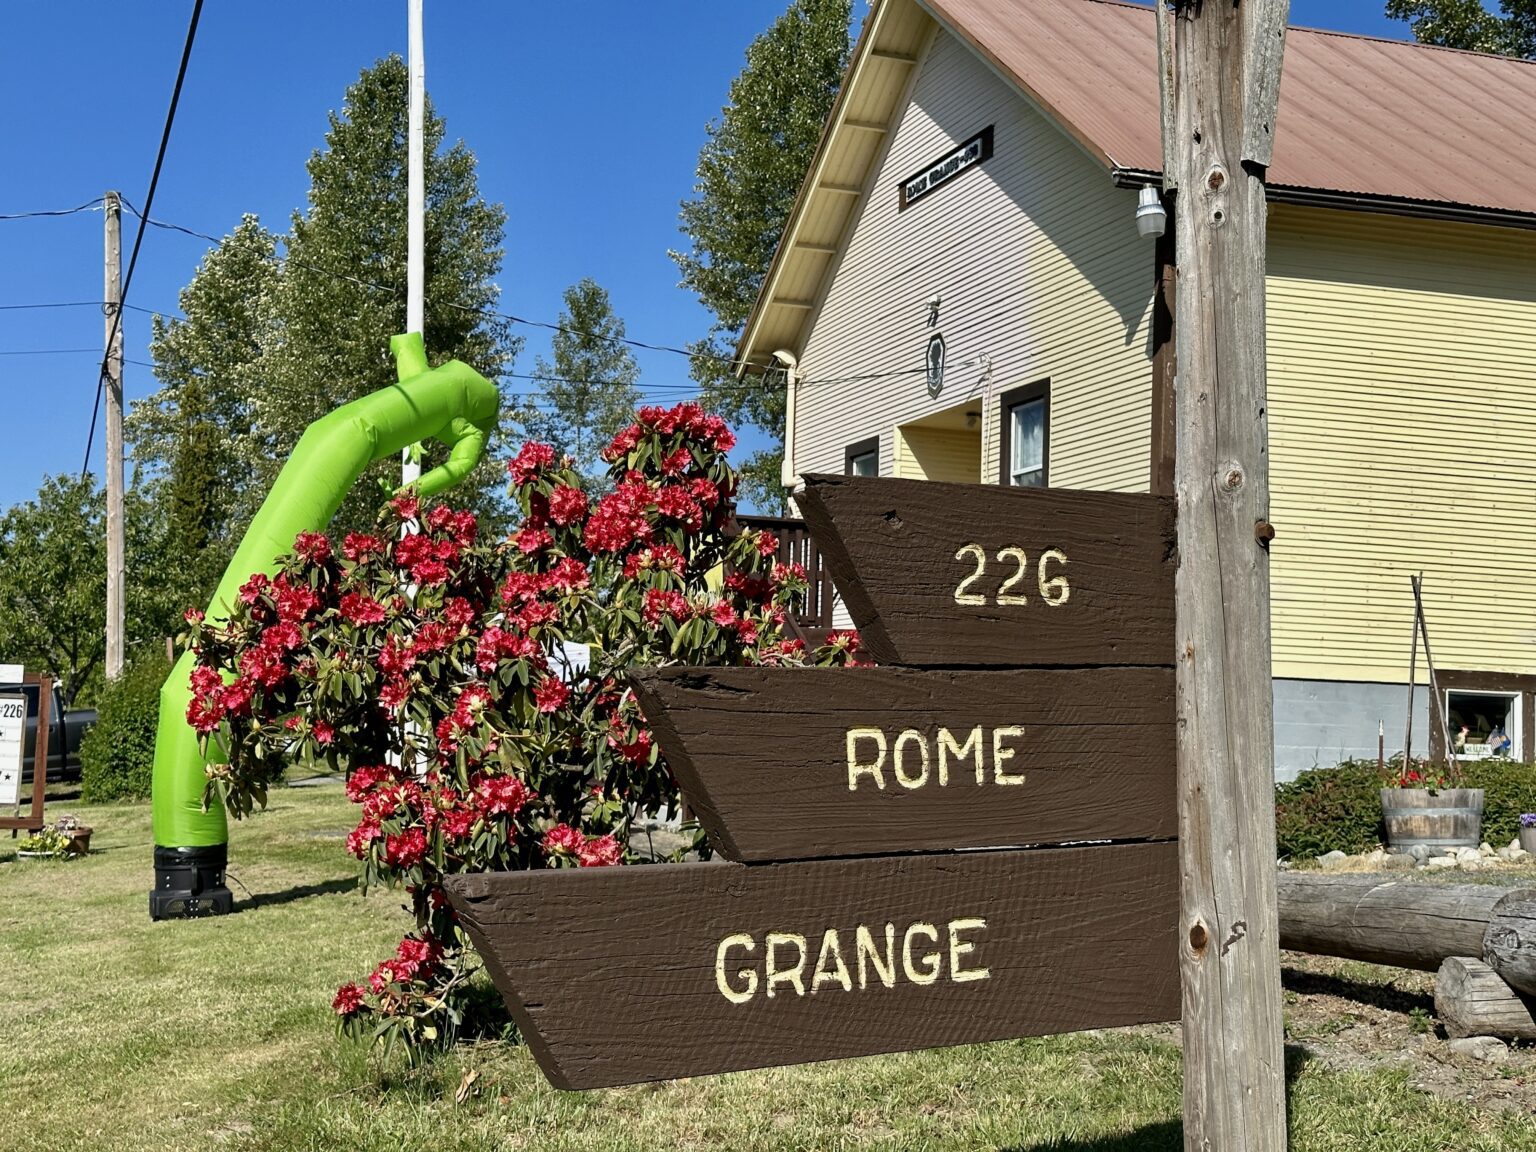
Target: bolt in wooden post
[1225, 92]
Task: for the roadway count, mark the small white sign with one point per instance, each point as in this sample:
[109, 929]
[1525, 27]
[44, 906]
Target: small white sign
[13, 735]
[11, 673]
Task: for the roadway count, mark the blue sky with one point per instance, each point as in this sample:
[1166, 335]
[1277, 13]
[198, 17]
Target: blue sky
[587, 118]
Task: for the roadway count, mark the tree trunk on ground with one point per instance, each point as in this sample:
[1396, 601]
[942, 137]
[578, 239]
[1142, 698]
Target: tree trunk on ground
[1409, 924]
[1471, 999]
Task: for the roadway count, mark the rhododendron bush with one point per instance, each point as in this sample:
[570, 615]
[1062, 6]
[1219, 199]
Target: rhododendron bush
[445, 673]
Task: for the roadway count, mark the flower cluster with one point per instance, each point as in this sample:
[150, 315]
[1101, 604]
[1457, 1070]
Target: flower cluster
[1418, 772]
[474, 690]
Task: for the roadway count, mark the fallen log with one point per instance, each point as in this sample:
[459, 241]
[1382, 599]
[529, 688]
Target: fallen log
[1471, 999]
[1411, 924]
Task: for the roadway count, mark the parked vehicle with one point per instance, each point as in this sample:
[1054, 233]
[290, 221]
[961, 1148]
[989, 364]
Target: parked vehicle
[66, 728]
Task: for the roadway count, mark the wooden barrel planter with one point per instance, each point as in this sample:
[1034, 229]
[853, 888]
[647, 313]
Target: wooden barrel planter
[1444, 819]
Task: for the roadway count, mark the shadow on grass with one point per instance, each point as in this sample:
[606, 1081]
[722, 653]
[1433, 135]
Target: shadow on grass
[1167, 1136]
[298, 892]
[1384, 996]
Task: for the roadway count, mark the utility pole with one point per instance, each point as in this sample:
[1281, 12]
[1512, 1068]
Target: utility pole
[116, 564]
[415, 204]
[1220, 98]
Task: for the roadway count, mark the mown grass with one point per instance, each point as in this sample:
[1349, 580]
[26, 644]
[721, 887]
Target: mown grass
[123, 1034]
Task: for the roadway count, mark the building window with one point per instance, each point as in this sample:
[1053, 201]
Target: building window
[1484, 724]
[1025, 418]
[863, 458]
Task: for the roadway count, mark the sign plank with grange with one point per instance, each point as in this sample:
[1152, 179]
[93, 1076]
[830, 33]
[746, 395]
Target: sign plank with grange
[1025, 712]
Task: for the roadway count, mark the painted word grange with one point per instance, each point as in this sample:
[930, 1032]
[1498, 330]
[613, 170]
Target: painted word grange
[1024, 710]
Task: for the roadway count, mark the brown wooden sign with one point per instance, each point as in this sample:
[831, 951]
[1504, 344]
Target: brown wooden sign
[971, 575]
[786, 764]
[622, 975]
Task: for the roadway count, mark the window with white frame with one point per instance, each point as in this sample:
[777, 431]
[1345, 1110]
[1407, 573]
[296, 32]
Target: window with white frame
[1025, 444]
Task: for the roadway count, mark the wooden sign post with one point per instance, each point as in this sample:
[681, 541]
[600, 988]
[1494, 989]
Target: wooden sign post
[1221, 73]
[1024, 711]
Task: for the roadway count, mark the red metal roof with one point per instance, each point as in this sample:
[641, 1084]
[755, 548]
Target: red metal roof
[1362, 116]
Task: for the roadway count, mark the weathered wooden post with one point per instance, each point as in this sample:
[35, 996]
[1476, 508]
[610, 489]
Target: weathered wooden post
[1225, 83]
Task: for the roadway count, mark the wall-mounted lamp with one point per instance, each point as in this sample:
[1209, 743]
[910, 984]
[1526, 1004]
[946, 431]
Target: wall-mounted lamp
[1151, 216]
[933, 309]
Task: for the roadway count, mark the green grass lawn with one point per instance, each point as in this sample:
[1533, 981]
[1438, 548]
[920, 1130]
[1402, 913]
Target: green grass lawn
[122, 1034]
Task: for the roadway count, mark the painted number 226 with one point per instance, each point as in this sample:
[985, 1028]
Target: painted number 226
[1054, 590]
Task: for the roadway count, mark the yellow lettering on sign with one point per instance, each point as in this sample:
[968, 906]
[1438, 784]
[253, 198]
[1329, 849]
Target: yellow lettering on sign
[959, 948]
[910, 736]
[864, 945]
[961, 752]
[872, 767]
[774, 974]
[928, 972]
[748, 976]
[925, 954]
[1001, 754]
[838, 974]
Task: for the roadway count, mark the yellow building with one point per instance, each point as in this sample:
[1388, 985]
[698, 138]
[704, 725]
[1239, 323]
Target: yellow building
[962, 294]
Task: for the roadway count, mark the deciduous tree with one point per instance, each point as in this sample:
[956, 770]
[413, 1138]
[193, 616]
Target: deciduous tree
[589, 393]
[1469, 24]
[342, 292]
[750, 169]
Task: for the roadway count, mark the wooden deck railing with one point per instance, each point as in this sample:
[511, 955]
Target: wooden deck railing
[796, 547]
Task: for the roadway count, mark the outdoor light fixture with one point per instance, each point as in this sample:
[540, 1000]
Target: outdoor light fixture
[1151, 216]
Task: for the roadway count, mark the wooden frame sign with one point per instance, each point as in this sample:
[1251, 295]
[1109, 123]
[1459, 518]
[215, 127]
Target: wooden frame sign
[974, 841]
[13, 736]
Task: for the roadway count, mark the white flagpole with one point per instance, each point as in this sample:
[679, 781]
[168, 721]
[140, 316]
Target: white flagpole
[415, 267]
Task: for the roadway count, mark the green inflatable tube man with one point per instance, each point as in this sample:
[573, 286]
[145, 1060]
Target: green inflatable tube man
[452, 404]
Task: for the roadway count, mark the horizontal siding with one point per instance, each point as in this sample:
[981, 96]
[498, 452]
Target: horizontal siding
[938, 454]
[1402, 407]
[1036, 257]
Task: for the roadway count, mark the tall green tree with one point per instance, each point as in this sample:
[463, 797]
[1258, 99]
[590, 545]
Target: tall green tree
[342, 292]
[589, 393]
[53, 598]
[750, 169]
[1470, 24]
[193, 439]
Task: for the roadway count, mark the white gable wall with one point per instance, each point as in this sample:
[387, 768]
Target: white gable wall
[1040, 268]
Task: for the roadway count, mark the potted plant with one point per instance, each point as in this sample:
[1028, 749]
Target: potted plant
[45, 844]
[1528, 831]
[79, 835]
[1425, 804]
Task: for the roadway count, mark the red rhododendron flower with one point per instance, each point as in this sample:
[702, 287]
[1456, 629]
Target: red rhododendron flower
[252, 589]
[623, 444]
[503, 795]
[599, 852]
[193, 616]
[458, 612]
[562, 838]
[312, 546]
[567, 505]
[348, 1000]
[323, 732]
[722, 614]
[406, 505]
[767, 544]
[528, 463]
[531, 540]
[359, 546]
[284, 636]
[362, 836]
[677, 462]
[551, 693]
[361, 608]
[429, 573]
[569, 575]
[405, 850]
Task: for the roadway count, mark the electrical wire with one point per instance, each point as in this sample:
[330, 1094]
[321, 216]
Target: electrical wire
[86, 207]
[138, 239]
[61, 304]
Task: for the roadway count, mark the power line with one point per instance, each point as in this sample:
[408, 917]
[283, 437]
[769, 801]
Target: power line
[138, 239]
[48, 351]
[60, 304]
[86, 207]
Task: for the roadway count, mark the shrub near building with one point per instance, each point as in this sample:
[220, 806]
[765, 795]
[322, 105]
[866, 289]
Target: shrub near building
[1339, 809]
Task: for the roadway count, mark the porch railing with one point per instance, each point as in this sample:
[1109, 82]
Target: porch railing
[814, 617]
